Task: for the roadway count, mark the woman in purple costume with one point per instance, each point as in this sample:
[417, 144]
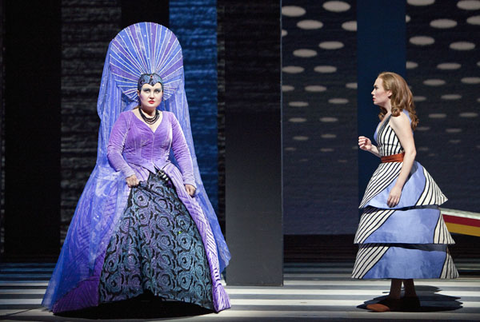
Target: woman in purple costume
[143, 224]
[401, 234]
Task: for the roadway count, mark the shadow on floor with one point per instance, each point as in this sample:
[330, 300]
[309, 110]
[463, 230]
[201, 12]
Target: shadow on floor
[145, 306]
[429, 300]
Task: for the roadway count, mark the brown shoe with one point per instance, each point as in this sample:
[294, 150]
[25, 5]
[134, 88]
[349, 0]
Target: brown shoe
[386, 305]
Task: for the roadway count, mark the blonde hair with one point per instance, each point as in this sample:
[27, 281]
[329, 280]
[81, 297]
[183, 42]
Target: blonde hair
[401, 99]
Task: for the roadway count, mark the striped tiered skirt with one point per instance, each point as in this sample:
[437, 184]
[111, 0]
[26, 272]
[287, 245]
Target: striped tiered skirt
[408, 241]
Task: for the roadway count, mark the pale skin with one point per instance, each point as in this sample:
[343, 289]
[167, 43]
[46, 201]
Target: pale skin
[401, 126]
[150, 98]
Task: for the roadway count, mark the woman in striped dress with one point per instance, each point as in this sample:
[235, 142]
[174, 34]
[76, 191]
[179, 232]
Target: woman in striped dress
[401, 234]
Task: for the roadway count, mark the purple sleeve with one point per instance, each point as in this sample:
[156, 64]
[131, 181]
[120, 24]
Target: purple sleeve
[116, 144]
[181, 152]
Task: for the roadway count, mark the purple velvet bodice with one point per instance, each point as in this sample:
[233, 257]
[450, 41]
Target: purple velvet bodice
[134, 148]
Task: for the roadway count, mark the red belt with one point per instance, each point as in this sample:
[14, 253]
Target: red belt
[393, 158]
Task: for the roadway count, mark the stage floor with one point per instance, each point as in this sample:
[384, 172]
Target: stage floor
[312, 291]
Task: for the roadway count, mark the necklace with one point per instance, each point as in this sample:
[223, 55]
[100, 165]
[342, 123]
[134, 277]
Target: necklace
[149, 120]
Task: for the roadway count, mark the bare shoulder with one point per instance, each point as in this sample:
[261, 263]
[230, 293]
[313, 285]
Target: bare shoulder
[400, 122]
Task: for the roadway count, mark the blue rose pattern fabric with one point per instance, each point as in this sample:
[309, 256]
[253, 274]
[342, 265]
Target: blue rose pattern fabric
[156, 247]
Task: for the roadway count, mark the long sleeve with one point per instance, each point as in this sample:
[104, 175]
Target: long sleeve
[116, 145]
[181, 152]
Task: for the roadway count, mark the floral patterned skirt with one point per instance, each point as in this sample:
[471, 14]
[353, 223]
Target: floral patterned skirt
[156, 247]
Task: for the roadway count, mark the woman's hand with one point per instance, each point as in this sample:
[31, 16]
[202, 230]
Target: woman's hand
[190, 189]
[394, 196]
[364, 143]
[132, 181]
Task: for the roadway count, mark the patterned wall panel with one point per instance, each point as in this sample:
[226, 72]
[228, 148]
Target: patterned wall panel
[319, 111]
[443, 70]
[88, 26]
[195, 24]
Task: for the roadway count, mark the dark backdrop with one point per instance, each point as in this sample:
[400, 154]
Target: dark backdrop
[80, 32]
[32, 133]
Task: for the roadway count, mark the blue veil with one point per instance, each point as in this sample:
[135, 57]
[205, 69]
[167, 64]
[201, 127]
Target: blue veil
[142, 48]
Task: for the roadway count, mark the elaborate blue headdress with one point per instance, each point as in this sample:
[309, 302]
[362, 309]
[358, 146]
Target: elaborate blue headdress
[150, 79]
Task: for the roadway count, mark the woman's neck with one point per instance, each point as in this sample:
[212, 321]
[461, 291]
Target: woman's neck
[388, 108]
[148, 112]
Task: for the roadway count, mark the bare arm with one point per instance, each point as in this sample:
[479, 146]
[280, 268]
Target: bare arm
[401, 126]
[365, 144]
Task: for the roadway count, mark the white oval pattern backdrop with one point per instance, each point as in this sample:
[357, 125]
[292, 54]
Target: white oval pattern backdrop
[320, 108]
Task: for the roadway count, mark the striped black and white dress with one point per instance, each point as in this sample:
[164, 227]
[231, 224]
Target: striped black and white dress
[411, 239]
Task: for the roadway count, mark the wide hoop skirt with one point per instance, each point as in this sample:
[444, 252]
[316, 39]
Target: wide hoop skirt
[156, 248]
[159, 243]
